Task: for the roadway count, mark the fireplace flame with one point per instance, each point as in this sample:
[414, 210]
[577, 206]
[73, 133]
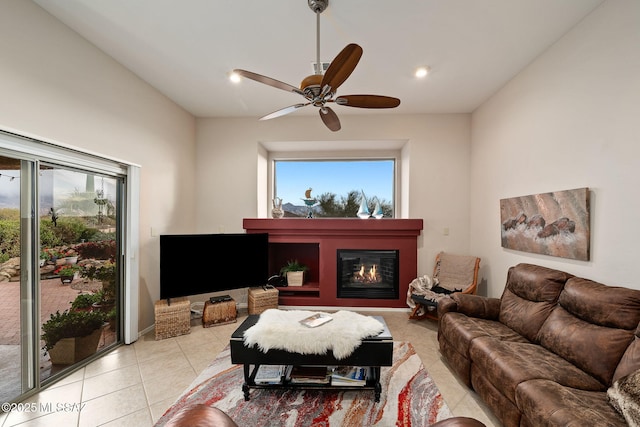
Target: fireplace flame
[370, 276]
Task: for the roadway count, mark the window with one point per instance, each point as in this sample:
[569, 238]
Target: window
[334, 188]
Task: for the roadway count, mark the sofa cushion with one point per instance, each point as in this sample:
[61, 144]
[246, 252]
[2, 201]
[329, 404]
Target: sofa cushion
[594, 349]
[547, 403]
[460, 330]
[603, 305]
[529, 296]
[592, 326]
[507, 364]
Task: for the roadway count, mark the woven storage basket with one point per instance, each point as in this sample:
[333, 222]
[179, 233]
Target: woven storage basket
[219, 313]
[172, 320]
[261, 299]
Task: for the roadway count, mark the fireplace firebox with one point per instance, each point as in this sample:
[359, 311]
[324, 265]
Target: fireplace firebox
[369, 274]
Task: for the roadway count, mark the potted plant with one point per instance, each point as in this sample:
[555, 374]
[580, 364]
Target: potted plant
[71, 257]
[67, 273]
[71, 336]
[294, 272]
[106, 273]
[84, 302]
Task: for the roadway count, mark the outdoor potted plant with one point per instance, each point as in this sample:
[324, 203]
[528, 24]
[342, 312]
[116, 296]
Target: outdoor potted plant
[67, 273]
[71, 257]
[294, 272]
[71, 336]
[106, 273]
[84, 302]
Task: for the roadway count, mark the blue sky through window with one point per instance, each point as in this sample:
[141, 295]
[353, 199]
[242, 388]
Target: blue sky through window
[374, 177]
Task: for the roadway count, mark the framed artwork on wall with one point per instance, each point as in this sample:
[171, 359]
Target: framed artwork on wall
[555, 223]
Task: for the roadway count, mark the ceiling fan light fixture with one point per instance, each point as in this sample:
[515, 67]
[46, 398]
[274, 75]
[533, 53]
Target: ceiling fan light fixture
[320, 88]
[235, 77]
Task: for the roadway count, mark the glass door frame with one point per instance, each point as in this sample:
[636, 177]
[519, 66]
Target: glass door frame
[31, 151]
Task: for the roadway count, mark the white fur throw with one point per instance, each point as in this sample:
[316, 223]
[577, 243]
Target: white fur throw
[281, 330]
[624, 396]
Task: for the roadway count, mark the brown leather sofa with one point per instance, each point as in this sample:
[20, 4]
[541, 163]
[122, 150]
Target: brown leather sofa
[207, 416]
[545, 353]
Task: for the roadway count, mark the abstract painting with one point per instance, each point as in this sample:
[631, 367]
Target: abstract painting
[555, 224]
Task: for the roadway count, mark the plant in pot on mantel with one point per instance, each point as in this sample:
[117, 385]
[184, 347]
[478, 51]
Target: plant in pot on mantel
[294, 272]
[71, 336]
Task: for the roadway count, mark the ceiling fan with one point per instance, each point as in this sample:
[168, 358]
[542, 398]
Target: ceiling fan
[319, 89]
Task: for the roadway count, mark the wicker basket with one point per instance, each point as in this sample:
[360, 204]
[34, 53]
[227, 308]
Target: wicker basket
[219, 313]
[261, 299]
[172, 320]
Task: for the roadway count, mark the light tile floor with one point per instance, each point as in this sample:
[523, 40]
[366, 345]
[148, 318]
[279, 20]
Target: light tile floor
[135, 384]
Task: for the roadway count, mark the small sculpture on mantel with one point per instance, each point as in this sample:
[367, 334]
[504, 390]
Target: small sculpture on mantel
[309, 201]
[363, 211]
[277, 211]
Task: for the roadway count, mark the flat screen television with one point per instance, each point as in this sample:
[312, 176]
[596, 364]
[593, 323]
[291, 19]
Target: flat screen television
[193, 264]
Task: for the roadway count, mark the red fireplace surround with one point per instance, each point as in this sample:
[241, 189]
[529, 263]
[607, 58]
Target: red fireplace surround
[315, 242]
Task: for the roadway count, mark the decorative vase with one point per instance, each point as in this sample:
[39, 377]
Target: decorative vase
[363, 212]
[277, 211]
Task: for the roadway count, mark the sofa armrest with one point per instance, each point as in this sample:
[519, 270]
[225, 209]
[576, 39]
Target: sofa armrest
[471, 305]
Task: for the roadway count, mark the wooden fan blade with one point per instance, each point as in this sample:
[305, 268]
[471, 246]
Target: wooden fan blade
[367, 101]
[342, 67]
[330, 118]
[283, 111]
[268, 81]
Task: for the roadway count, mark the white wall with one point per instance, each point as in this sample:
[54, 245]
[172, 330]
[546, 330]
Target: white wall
[57, 86]
[571, 119]
[438, 186]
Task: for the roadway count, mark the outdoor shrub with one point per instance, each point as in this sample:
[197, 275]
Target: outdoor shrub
[9, 239]
[48, 237]
[9, 213]
[105, 249]
[70, 230]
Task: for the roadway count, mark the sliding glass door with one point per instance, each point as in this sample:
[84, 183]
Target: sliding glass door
[17, 297]
[61, 267]
[79, 275]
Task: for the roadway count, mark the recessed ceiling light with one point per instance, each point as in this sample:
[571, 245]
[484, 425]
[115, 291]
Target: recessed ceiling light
[234, 77]
[422, 72]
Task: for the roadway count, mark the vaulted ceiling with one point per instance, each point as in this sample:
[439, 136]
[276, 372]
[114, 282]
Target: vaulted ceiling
[186, 49]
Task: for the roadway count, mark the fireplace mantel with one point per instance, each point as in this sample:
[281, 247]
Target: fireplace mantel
[315, 242]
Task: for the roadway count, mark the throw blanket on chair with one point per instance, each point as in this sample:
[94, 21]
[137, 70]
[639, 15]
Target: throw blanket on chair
[424, 286]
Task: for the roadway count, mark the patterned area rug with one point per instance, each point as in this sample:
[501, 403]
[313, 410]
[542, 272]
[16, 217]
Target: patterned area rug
[409, 398]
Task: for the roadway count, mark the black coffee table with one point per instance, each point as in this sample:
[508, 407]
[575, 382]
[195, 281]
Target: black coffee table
[373, 353]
